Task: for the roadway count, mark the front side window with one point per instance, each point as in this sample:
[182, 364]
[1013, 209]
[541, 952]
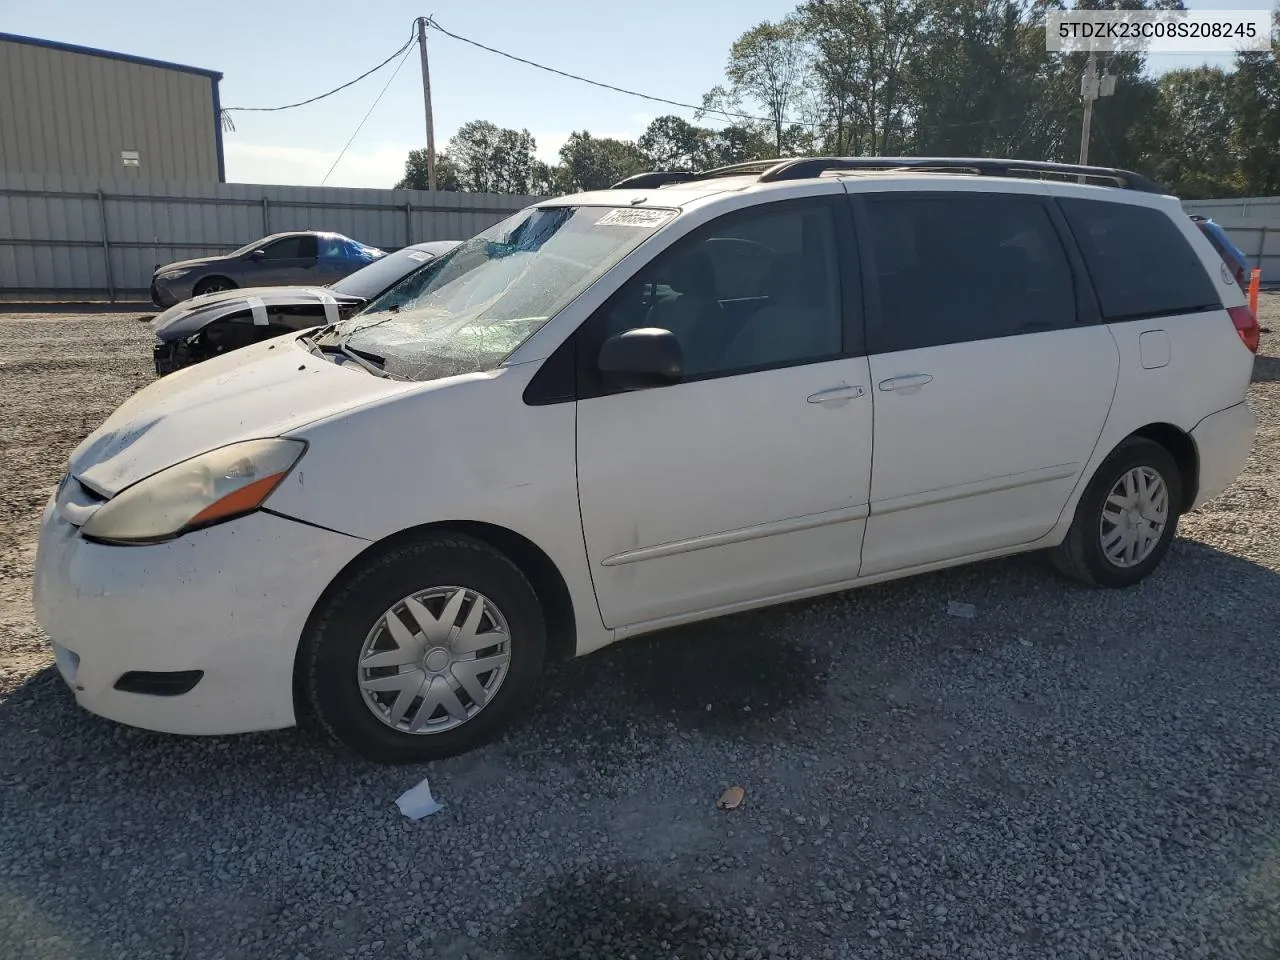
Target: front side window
[469, 309]
[748, 291]
[1140, 263]
[302, 247]
[962, 267]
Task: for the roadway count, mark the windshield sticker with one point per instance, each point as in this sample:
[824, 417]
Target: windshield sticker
[420, 255]
[635, 217]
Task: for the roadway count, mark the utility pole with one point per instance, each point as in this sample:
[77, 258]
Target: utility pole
[1088, 90]
[426, 99]
[1092, 87]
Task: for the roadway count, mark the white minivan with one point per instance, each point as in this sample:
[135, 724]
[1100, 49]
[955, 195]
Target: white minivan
[624, 410]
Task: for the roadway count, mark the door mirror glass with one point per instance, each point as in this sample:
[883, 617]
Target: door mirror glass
[640, 358]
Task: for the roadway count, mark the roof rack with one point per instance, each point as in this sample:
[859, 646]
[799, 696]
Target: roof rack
[803, 168]
[659, 178]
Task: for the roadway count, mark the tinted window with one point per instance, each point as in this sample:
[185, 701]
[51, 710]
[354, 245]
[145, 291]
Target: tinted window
[1140, 264]
[747, 291]
[965, 267]
[292, 248]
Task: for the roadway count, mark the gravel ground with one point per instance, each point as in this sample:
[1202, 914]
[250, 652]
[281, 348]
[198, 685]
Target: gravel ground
[1069, 773]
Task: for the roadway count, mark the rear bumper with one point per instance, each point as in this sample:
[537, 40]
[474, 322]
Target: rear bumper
[1223, 441]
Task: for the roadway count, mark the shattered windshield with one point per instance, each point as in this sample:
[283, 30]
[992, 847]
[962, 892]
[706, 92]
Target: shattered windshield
[469, 309]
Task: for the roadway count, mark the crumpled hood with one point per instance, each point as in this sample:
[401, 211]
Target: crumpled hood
[264, 390]
[191, 316]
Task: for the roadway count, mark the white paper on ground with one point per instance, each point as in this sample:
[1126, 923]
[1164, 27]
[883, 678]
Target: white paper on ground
[417, 802]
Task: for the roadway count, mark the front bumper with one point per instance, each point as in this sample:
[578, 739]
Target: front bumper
[1223, 442]
[230, 601]
[166, 294]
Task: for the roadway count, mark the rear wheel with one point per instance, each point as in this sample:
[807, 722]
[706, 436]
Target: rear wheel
[1127, 518]
[425, 651]
[212, 285]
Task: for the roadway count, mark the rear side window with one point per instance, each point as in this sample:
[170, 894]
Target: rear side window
[1140, 263]
[959, 267]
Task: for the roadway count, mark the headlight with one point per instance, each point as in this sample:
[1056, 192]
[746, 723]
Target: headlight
[172, 274]
[204, 490]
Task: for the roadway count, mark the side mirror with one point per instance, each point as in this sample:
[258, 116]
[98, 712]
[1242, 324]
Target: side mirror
[258, 255]
[640, 358]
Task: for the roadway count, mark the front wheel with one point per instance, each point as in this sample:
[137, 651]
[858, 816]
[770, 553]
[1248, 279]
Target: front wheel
[212, 285]
[1126, 519]
[426, 650]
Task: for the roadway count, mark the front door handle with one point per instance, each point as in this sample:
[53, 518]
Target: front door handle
[913, 381]
[836, 393]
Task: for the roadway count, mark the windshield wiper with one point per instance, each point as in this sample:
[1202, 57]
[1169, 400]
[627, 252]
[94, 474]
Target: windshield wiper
[364, 361]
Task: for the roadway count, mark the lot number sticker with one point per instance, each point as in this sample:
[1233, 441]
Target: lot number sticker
[633, 217]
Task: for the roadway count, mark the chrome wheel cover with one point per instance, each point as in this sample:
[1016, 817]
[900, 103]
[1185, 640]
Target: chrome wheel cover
[1134, 516]
[434, 660]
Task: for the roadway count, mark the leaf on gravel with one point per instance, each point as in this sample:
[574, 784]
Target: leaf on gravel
[966, 610]
[731, 799]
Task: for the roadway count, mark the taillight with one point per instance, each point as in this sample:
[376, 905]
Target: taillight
[1246, 325]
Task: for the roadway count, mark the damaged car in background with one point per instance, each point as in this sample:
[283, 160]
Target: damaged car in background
[216, 323]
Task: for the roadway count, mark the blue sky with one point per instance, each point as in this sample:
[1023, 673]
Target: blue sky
[273, 52]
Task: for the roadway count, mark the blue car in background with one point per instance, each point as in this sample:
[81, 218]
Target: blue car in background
[1231, 255]
[304, 257]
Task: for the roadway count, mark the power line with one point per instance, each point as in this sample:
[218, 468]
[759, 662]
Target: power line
[431, 22]
[303, 103]
[360, 126]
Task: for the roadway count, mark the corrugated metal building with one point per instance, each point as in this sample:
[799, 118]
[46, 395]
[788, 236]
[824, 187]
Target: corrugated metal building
[83, 112]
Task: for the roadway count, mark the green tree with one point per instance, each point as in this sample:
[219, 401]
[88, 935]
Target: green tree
[481, 158]
[673, 143]
[1194, 129]
[1255, 104]
[594, 163]
[862, 53]
[979, 82]
[767, 71]
[415, 172]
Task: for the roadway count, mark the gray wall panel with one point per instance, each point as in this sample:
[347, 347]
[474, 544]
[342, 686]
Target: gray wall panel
[51, 225]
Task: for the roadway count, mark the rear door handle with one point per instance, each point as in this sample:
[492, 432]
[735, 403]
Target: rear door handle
[913, 381]
[837, 393]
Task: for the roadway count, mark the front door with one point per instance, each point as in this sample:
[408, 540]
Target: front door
[750, 477]
[290, 260]
[990, 392]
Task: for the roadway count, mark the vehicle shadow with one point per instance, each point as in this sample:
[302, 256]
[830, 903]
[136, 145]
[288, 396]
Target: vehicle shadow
[245, 833]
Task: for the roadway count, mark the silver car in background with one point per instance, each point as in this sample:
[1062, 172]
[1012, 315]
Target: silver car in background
[305, 257]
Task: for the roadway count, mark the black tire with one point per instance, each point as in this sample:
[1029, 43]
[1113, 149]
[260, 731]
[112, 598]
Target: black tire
[331, 701]
[1081, 555]
[212, 285]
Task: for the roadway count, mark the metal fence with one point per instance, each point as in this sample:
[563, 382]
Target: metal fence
[70, 238]
[1253, 223]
